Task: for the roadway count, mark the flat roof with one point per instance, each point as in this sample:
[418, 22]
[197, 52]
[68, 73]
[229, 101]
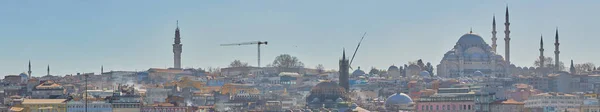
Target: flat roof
[43, 101]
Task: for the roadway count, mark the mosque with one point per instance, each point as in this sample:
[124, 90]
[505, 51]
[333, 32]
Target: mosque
[473, 56]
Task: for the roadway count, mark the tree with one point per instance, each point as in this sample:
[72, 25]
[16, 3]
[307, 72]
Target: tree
[421, 64]
[287, 61]
[320, 69]
[549, 63]
[238, 63]
[373, 71]
[584, 67]
[429, 68]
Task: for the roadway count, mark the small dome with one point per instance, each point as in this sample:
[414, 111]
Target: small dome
[23, 74]
[393, 68]
[358, 72]
[339, 100]
[398, 99]
[477, 73]
[470, 39]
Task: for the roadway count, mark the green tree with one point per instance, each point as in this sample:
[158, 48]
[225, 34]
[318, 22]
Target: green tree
[238, 63]
[287, 61]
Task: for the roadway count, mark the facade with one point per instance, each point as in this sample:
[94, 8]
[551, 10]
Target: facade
[509, 105]
[164, 107]
[553, 102]
[92, 106]
[449, 100]
[48, 90]
[44, 105]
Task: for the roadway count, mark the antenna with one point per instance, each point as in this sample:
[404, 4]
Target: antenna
[353, 55]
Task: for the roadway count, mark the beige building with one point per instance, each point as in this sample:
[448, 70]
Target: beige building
[509, 105]
[44, 105]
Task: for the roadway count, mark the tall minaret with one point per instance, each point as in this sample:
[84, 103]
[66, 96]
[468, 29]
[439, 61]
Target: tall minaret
[177, 48]
[494, 34]
[101, 69]
[556, 52]
[29, 70]
[507, 38]
[48, 72]
[542, 58]
[344, 73]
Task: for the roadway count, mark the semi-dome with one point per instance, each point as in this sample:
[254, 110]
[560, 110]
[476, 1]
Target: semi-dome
[470, 39]
[398, 99]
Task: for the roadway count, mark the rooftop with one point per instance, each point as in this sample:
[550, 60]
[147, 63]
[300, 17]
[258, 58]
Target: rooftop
[43, 101]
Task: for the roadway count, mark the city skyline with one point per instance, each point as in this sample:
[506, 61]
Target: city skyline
[119, 37]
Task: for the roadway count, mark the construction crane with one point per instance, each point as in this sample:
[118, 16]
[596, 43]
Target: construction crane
[250, 43]
[359, 42]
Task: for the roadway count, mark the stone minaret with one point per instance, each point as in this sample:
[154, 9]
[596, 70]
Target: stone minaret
[572, 68]
[542, 58]
[29, 70]
[507, 38]
[556, 53]
[344, 73]
[48, 72]
[494, 34]
[177, 49]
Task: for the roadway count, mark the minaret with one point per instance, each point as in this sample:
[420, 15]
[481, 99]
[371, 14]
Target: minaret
[507, 38]
[556, 53]
[494, 34]
[177, 49]
[101, 69]
[542, 58]
[344, 73]
[29, 70]
[572, 68]
[48, 72]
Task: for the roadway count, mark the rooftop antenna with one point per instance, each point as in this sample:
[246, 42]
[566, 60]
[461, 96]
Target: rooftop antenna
[353, 55]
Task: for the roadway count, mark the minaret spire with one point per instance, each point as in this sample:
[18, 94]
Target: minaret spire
[101, 69]
[48, 72]
[471, 30]
[507, 37]
[344, 72]
[177, 49]
[29, 70]
[542, 58]
[556, 52]
[494, 34]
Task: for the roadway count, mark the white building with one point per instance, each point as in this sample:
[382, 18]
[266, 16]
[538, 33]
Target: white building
[553, 101]
[92, 106]
[156, 95]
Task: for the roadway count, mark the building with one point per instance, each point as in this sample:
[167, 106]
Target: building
[156, 95]
[12, 79]
[326, 94]
[522, 92]
[553, 102]
[92, 106]
[344, 77]
[164, 107]
[44, 105]
[448, 100]
[472, 54]
[509, 105]
[48, 90]
[126, 99]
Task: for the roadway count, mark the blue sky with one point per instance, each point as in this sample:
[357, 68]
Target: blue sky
[81, 35]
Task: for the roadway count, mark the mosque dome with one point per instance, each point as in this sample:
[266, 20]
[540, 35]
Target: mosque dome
[358, 72]
[477, 73]
[470, 39]
[23, 74]
[398, 99]
[327, 91]
[393, 68]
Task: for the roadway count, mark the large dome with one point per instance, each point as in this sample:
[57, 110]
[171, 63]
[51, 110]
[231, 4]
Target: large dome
[398, 99]
[393, 68]
[327, 90]
[470, 39]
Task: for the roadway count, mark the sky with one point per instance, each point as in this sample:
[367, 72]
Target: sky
[75, 36]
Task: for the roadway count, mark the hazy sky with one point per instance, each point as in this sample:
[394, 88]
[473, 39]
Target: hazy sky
[81, 35]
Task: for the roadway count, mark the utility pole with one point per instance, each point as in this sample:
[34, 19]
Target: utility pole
[86, 91]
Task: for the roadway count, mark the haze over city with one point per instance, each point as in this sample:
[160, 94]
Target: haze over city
[81, 36]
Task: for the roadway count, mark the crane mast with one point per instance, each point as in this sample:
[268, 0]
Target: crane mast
[258, 43]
